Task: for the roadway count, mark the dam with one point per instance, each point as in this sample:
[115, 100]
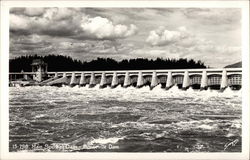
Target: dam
[214, 78]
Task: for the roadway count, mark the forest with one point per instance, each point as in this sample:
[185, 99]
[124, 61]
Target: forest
[66, 63]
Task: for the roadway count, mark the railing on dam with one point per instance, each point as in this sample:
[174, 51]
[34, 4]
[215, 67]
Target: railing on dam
[184, 78]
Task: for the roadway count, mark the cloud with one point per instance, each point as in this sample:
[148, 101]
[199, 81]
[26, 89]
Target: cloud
[31, 44]
[31, 12]
[215, 56]
[67, 22]
[184, 44]
[34, 11]
[214, 16]
[53, 22]
[102, 28]
[88, 33]
[19, 22]
[162, 36]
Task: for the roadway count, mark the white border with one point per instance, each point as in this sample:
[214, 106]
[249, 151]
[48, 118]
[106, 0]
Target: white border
[5, 5]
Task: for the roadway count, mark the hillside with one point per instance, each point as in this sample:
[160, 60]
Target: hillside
[235, 65]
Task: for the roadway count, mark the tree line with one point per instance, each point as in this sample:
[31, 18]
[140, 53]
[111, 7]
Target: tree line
[66, 63]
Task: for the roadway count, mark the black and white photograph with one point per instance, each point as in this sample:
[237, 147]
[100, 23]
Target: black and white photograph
[123, 79]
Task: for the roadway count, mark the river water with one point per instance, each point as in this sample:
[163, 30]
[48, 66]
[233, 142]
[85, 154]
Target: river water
[64, 119]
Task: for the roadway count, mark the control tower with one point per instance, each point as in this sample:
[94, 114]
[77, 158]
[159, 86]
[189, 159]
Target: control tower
[39, 67]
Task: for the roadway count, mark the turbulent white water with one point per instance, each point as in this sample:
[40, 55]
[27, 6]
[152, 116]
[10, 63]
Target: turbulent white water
[130, 119]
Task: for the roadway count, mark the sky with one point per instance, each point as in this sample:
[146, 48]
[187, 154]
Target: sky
[212, 35]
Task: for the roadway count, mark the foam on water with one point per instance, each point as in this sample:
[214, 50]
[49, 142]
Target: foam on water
[125, 116]
[146, 89]
[106, 140]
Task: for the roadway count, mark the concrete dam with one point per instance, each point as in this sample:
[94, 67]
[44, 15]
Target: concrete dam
[183, 78]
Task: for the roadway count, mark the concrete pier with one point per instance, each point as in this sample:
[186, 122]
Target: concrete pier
[186, 81]
[169, 83]
[139, 83]
[154, 81]
[92, 82]
[73, 80]
[82, 80]
[204, 80]
[64, 74]
[56, 75]
[25, 76]
[114, 82]
[127, 81]
[223, 84]
[103, 82]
